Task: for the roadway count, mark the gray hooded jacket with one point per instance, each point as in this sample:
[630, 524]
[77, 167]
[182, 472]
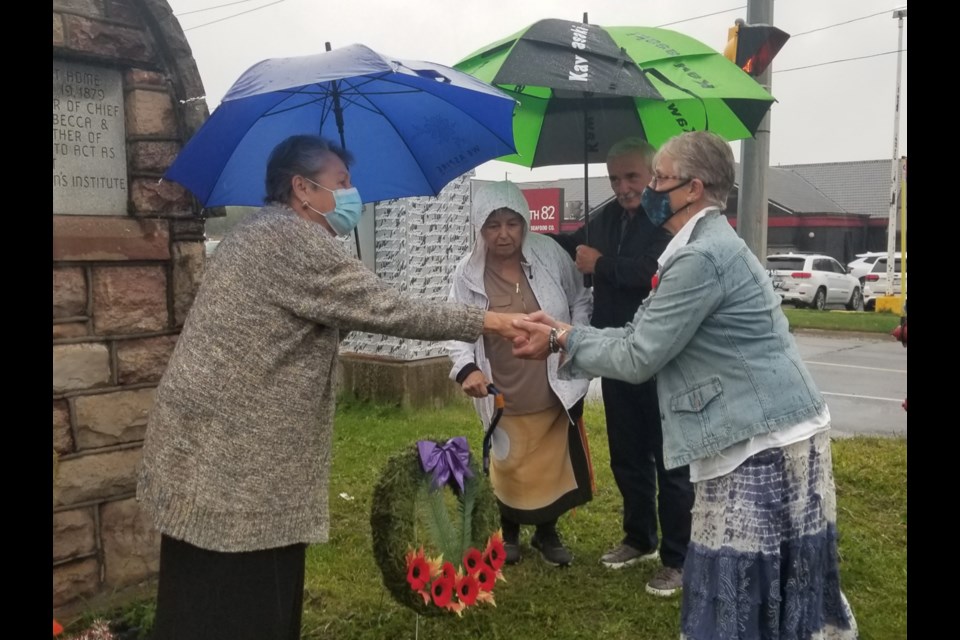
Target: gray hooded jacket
[552, 275]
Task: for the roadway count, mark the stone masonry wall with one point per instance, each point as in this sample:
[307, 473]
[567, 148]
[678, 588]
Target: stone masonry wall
[122, 284]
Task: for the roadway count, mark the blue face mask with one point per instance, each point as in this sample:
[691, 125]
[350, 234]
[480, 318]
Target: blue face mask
[346, 211]
[656, 204]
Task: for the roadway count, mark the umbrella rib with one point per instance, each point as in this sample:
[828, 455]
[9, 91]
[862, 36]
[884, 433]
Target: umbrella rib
[659, 76]
[356, 96]
[322, 93]
[322, 98]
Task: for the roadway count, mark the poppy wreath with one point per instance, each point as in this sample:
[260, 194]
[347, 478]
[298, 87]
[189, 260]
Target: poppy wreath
[435, 526]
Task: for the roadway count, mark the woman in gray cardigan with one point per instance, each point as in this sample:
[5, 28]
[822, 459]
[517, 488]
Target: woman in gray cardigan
[237, 448]
[738, 405]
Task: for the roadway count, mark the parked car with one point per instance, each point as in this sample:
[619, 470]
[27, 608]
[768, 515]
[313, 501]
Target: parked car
[875, 282]
[814, 280]
[864, 263]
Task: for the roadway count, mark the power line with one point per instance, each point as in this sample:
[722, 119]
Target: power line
[219, 6]
[705, 15]
[831, 26]
[233, 15]
[821, 64]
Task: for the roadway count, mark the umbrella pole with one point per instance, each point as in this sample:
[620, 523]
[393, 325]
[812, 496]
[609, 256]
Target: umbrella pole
[338, 115]
[587, 277]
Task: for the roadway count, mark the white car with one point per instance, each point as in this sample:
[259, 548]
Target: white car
[864, 263]
[875, 282]
[814, 280]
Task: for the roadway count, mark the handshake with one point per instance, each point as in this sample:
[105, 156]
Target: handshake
[534, 336]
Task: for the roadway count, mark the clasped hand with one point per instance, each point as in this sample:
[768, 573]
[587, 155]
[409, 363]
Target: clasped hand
[534, 344]
[529, 333]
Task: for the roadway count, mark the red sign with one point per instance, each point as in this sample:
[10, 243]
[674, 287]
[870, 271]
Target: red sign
[546, 205]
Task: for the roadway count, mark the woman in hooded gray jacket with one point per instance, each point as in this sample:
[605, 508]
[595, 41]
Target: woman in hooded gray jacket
[540, 465]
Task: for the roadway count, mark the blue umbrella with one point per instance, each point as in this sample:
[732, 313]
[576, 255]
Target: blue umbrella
[412, 126]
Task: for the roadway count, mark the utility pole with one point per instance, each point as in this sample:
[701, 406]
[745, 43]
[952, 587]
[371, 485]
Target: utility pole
[899, 14]
[755, 159]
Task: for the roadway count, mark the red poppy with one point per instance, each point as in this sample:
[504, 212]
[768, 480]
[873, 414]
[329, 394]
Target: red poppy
[472, 560]
[655, 280]
[467, 589]
[494, 555]
[449, 572]
[57, 628]
[418, 571]
[441, 591]
[486, 577]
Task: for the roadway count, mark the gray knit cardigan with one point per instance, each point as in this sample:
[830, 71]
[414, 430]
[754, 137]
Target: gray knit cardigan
[238, 443]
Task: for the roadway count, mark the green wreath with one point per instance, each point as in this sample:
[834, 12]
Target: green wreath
[410, 518]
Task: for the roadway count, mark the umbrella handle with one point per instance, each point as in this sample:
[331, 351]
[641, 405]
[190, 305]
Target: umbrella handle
[498, 404]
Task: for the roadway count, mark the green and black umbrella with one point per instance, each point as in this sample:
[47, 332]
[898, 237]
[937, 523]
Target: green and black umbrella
[583, 87]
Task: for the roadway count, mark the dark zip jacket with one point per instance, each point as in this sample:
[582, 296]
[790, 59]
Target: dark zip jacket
[621, 279]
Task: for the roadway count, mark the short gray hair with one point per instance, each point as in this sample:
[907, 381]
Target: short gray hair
[706, 156]
[300, 155]
[633, 145]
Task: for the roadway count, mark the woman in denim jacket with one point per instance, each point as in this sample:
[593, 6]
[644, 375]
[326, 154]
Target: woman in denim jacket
[738, 405]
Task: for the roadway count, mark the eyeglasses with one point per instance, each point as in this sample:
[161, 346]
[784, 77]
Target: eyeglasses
[657, 180]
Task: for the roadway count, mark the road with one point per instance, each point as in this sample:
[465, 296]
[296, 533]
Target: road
[863, 378]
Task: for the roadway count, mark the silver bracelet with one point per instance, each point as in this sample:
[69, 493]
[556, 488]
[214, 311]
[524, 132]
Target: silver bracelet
[553, 342]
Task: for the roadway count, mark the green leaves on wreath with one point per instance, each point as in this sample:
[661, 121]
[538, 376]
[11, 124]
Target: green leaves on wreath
[405, 515]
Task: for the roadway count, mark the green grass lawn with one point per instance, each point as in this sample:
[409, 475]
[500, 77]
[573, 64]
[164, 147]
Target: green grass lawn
[835, 320]
[345, 599]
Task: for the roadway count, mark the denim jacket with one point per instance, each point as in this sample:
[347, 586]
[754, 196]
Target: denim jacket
[713, 334]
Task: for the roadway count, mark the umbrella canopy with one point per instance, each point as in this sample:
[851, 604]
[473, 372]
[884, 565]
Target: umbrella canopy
[583, 87]
[412, 126]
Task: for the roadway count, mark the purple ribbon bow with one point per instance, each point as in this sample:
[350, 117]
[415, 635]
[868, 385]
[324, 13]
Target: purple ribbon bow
[446, 460]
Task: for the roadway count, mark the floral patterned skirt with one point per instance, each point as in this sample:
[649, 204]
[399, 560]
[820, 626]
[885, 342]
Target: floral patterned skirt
[762, 561]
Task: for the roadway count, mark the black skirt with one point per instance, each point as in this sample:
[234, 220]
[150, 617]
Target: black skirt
[210, 595]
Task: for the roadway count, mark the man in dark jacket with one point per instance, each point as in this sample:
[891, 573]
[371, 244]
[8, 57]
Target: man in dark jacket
[622, 258]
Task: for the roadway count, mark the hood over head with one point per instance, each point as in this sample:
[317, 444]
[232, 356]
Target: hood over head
[498, 195]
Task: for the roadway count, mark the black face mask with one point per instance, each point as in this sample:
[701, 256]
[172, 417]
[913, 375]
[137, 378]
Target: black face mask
[656, 204]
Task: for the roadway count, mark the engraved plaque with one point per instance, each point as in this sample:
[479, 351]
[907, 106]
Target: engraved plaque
[89, 141]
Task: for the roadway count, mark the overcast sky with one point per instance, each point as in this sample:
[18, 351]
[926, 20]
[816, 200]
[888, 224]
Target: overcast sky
[835, 79]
